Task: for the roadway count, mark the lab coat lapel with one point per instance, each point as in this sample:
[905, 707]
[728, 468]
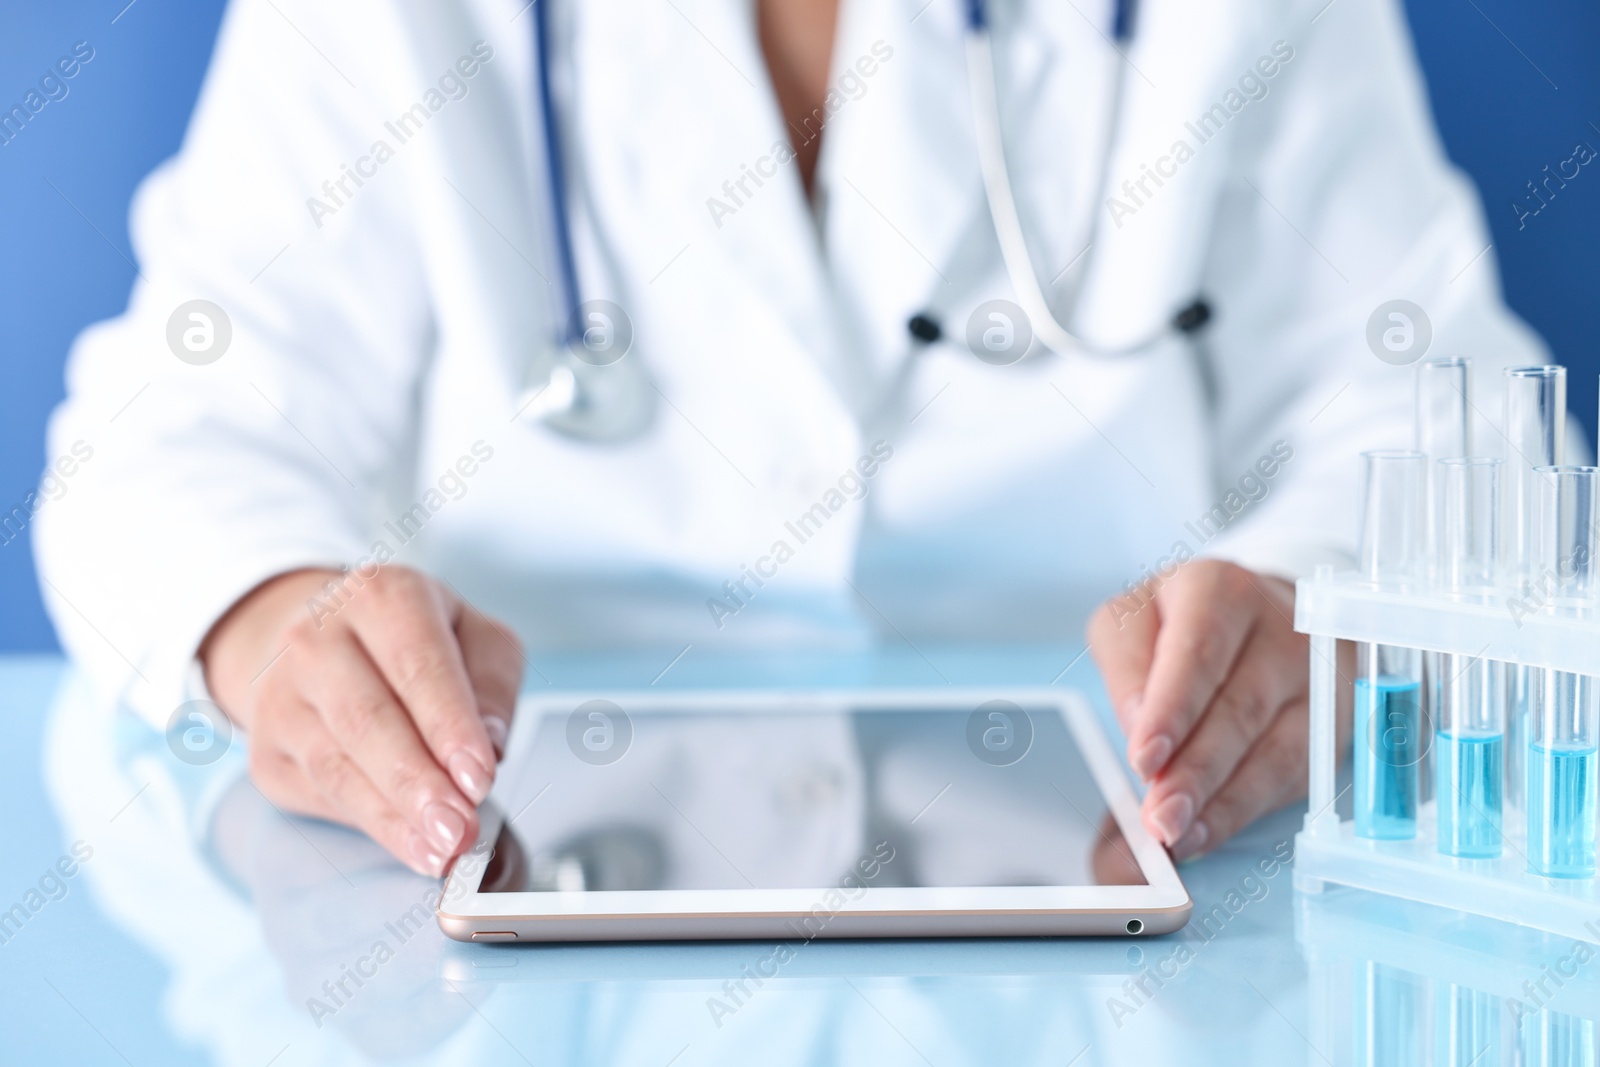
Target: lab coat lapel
[480, 166]
[697, 165]
[898, 173]
[1188, 56]
[687, 214]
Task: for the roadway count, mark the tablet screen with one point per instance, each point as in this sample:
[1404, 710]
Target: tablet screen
[994, 796]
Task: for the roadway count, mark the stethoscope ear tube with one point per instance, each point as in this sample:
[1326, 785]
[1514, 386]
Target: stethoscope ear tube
[1008, 224]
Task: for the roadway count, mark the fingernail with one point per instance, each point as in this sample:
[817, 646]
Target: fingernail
[471, 775]
[424, 860]
[445, 826]
[1191, 842]
[1152, 757]
[495, 727]
[1172, 817]
[1130, 708]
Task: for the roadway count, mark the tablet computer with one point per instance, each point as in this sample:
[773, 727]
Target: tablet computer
[803, 815]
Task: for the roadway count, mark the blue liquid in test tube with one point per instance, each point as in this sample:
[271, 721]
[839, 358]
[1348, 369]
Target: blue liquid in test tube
[1564, 732]
[1388, 748]
[1389, 737]
[1470, 772]
[1561, 815]
[1470, 691]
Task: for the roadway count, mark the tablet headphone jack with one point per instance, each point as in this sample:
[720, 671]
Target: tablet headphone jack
[1135, 926]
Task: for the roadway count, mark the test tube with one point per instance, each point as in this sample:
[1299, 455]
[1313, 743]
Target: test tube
[1535, 433]
[1536, 420]
[1470, 709]
[1388, 709]
[1564, 733]
[1441, 432]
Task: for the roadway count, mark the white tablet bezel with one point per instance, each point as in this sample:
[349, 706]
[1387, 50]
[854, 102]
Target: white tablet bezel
[1160, 906]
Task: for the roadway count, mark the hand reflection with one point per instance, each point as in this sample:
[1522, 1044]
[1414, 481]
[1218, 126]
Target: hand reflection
[352, 929]
[1111, 859]
[619, 856]
[507, 869]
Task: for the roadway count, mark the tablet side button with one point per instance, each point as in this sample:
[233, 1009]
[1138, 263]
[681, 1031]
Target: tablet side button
[493, 935]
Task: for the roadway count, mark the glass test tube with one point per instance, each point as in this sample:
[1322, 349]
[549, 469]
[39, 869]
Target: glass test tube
[1388, 712]
[1564, 732]
[1470, 709]
[1535, 432]
[1536, 414]
[1441, 433]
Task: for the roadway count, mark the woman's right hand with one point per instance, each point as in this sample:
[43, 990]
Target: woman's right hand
[382, 703]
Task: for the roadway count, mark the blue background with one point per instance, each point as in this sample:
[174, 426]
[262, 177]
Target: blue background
[1513, 86]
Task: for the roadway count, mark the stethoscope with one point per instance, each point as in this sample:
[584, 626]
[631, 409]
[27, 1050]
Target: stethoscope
[583, 387]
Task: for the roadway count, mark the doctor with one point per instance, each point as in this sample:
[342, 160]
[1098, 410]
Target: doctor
[717, 328]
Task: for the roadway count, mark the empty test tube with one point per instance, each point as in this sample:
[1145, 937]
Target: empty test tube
[1564, 731]
[1535, 433]
[1441, 432]
[1388, 709]
[1536, 413]
[1470, 708]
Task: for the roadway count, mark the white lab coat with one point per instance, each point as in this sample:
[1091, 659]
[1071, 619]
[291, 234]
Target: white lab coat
[375, 346]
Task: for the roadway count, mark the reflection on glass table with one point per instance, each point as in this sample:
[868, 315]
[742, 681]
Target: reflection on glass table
[1394, 983]
[292, 938]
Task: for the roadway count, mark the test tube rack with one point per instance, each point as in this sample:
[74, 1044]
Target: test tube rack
[1330, 607]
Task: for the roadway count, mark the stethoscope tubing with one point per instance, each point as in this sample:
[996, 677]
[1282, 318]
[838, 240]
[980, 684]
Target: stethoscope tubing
[555, 174]
[563, 393]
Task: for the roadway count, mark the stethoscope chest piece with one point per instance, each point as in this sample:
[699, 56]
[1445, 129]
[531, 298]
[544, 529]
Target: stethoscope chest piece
[592, 387]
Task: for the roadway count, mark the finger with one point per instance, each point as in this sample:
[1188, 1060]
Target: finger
[356, 708]
[1266, 677]
[284, 781]
[1270, 776]
[494, 661]
[356, 801]
[1122, 636]
[408, 628]
[1207, 613]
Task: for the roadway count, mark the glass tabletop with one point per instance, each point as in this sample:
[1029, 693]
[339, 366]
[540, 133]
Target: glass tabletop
[163, 912]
